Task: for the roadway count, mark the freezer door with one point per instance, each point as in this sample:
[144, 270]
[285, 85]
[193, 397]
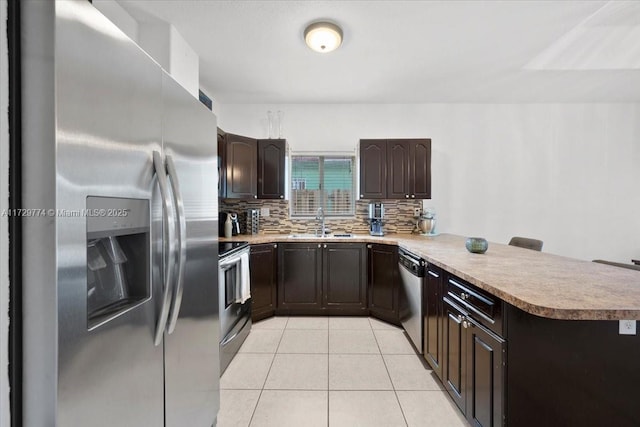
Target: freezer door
[108, 97]
[192, 338]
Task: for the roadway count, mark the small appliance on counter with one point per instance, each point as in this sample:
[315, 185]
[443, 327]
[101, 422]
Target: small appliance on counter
[226, 220]
[235, 225]
[376, 215]
[426, 223]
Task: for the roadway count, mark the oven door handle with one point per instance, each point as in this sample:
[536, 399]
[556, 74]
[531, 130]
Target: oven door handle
[226, 340]
[168, 248]
[181, 224]
[225, 264]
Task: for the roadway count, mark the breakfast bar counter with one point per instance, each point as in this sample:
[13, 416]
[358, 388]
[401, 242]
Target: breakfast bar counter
[538, 283]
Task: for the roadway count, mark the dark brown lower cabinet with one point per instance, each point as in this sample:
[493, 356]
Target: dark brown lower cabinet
[454, 356]
[322, 278]
[473, 366]
[299, 278]
[383, 282]
[344, 278]
[433, 318]
[264, 280]
[485, 372]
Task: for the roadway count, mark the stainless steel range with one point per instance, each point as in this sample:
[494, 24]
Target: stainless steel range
[234, 299]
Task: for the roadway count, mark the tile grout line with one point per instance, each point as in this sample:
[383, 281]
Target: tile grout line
[328, 372]
[268, 372]
[395, 393]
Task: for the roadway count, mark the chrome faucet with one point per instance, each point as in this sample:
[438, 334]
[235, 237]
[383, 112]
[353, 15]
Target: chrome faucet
[320, 217]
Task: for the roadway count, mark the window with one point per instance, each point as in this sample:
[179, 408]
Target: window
[322, 181]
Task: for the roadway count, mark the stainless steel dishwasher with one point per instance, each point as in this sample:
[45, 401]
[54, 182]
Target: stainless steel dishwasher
[412, 274]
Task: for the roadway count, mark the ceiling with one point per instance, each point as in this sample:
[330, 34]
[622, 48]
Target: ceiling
[411, 51]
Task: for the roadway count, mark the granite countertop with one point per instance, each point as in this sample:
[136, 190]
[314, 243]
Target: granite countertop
[539, 283]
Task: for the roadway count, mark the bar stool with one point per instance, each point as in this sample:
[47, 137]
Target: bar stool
[525, 242]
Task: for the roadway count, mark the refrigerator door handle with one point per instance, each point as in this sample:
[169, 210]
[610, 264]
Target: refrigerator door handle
[181, 224]
[168, 247]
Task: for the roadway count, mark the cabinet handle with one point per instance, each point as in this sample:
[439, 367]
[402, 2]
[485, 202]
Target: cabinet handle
[406, 196]
[275, 246]
[369, 246]
[413, 196]
[464, 296]
[467, 324]
[361, 196]
[432, 274]
[255, 196]
[325, 246]
[319, 245]
[460, 318]
[281, 196]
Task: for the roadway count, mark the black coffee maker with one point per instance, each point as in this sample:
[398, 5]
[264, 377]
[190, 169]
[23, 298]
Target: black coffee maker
[235, 224]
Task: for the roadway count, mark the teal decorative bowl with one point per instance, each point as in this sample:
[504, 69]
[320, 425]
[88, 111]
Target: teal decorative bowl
[477, 245]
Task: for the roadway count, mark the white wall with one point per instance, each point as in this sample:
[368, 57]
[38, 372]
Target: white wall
[161, 41]
[112, 10]
[4, 230]
[563, 173]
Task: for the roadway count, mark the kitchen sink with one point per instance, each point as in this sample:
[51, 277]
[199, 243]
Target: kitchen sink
[315, 236]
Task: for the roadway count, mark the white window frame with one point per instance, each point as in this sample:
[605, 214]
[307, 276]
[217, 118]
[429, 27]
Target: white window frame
[322, 158]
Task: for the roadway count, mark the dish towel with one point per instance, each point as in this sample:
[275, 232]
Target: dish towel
[245, 284]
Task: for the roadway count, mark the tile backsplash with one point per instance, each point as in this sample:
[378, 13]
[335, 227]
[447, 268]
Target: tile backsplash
[398, 217]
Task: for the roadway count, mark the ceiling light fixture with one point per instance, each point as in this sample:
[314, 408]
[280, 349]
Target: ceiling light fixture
[323, 37]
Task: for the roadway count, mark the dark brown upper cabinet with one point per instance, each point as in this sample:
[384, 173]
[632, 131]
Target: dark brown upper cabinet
[250, 168]
[373, 169]
[241, 167]
[395, 169]
[271, 155]
[420, 168]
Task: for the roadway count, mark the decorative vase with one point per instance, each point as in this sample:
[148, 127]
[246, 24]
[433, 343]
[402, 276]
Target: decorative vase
[270, 126]
[280, 115]
[477, 245]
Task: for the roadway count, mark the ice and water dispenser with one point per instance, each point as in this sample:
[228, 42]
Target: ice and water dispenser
[118, 257]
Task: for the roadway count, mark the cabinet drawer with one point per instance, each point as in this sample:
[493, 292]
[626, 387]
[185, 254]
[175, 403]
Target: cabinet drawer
[483, 307]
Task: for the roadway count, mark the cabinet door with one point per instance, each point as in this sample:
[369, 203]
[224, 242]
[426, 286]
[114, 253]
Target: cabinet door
[263, 265]
[300, 278]
[383, 281]
[222, 164]
[398, 169]
[420, 169]
[344, 277]
[454, 356]
[373, 168]
[485, 376]
[433, 319]
[241, 167]
[271, 155]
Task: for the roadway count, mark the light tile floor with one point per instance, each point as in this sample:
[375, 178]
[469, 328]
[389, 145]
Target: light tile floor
[331, 371]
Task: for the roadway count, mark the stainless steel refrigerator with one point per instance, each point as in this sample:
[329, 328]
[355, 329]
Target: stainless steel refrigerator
[120, 311]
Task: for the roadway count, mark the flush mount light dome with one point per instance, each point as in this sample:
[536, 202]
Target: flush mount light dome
[323, 37]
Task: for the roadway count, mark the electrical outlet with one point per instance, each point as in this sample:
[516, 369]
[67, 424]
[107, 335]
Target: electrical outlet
[627, 327]
[416, 212]
[264, 212]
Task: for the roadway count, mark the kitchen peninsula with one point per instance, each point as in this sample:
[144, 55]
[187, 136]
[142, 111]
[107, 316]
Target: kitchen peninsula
[559, 357]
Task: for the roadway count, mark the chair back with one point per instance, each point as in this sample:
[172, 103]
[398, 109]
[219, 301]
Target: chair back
[525, 242]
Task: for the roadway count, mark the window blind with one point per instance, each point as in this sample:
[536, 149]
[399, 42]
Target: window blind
[322, 181]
